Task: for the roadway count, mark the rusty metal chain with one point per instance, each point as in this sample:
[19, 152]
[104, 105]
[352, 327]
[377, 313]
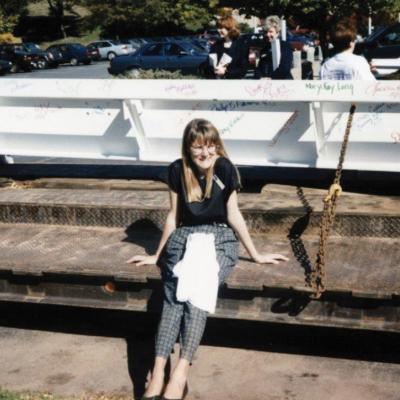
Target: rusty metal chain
[328, 215]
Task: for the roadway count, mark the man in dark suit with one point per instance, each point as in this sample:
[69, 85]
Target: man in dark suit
[265, 66]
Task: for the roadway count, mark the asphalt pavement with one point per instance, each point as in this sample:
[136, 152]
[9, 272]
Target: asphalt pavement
[96, 70]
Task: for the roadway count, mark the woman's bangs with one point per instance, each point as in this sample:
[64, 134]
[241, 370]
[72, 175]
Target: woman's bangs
[211, 137]
[207, 137]
[196, 139]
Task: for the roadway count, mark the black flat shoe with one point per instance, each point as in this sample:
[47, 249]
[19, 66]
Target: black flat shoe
[157, 397]
[185, 392]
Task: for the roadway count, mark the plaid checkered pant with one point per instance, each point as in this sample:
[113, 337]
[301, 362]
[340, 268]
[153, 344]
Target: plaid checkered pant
[184, 318]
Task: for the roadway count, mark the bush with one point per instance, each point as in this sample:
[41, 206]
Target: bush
[8, 38]
[245, 28]
[156, 74]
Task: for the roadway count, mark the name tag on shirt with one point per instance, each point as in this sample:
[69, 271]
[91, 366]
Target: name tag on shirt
[219, 182]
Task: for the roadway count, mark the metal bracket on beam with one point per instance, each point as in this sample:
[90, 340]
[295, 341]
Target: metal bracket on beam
[135, 108]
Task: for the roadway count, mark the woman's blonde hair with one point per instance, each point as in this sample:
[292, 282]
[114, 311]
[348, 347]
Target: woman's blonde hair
[201, 132]
[273, 21]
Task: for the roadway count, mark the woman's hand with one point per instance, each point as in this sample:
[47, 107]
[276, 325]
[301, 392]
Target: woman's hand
[220, 70]
[269, 258]
[143, 260]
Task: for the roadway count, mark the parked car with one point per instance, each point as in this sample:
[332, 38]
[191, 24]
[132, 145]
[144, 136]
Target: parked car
[5, 67]
[110, 48]
[300, 41]
[383, 44]
[133, 43]
[21, 60]
[203, 43]
[45, 58]
[93, 52]
[72, 53]
[192, 47]
[168, 56]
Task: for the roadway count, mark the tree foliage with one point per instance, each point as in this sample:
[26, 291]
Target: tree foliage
[127, 18]
[57, 9]
[311, 10]
[320, 15]
[10, 11]
[13, 7]
[150, 17]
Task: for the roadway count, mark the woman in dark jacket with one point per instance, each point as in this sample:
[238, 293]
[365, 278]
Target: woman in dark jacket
[229, 48]
[265, 66]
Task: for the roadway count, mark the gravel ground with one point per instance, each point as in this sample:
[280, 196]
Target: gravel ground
[97, 357]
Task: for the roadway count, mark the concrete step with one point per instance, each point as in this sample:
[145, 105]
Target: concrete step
[278, 209]
[66, 242]
[359, 267]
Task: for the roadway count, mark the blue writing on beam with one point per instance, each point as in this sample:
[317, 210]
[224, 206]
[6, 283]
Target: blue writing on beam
[231, 124]
[236, 104]
[374, 115]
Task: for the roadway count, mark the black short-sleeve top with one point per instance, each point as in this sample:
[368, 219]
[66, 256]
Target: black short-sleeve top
[210, 210]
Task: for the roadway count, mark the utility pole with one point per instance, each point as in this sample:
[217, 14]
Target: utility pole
[283, 28]
[369, 20]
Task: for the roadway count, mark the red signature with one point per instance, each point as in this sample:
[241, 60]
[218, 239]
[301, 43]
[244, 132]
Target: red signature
[268, 90]
[380, 88]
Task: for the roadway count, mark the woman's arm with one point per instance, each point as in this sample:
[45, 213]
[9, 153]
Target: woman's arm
[169, 227]
[236, 221]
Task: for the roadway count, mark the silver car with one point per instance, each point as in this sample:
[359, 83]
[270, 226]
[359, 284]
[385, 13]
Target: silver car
[108, 49]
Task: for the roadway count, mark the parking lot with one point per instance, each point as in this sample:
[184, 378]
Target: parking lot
[97, 70]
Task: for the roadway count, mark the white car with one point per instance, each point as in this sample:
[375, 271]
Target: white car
[108, 49]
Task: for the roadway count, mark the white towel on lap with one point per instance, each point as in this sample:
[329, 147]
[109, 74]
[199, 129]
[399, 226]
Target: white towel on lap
[197, 272]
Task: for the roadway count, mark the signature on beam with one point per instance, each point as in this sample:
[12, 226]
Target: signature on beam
[330, 87]
[231, 124]
[238, 104]
[42, 109]
[378, 88]
[17, 86]
[374, 115]
[186, 89]
[69, 89]
[268, 90]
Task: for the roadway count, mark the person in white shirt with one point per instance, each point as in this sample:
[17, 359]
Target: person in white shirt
[345, 65]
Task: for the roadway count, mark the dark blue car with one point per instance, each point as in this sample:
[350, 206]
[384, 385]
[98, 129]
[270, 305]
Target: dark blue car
[383, 43]
[167, 56]
[71, 53]
[5, 67]
[46, 59]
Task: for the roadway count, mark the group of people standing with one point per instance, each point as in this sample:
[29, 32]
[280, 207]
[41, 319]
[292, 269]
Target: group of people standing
[231, 54]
